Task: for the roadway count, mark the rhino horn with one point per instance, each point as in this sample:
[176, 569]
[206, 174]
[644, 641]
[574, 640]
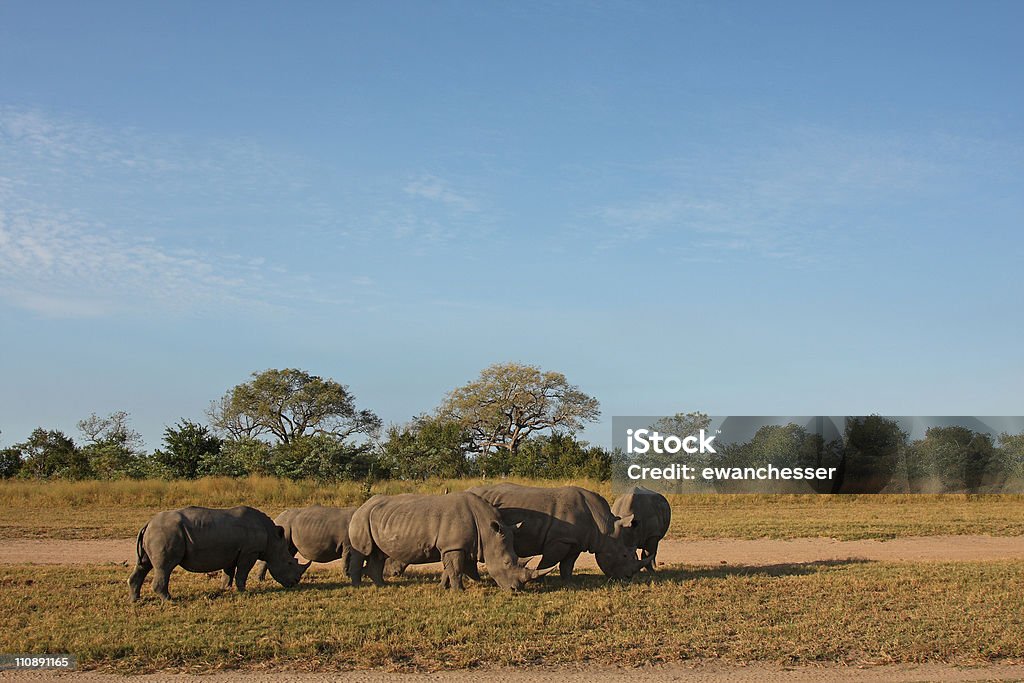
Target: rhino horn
[534, 574]
[304, 567]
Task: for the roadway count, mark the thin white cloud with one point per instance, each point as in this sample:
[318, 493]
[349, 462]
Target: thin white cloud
[437, 190]
[792, 199]
[98, 222]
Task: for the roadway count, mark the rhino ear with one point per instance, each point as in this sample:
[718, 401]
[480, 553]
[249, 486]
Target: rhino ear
[280, 530]
[496, 527]
[625, 522]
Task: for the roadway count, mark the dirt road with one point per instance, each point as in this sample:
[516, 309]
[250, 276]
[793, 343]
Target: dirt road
[695, 672]
[758, 552]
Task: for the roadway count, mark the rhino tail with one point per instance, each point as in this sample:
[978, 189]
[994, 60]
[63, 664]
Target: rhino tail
[140, 552]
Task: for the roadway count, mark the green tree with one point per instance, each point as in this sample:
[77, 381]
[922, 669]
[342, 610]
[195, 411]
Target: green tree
[289, 404]
[511, 401]
[10, 462]
[872, 448]
[113, 448]
[323, 457]
[1012, 449]
[428, 446]
[187, 447]
[955, 459]
[51, 454]
[238, 458]
[790, 445]
[561, 456]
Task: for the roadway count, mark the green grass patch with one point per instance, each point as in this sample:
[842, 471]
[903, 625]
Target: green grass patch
[844, 612]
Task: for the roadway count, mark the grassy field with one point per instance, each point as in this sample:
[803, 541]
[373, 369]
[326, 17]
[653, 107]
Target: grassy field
[94, 509]
[830, 612]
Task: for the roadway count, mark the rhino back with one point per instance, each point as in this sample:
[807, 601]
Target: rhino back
[548, 516]
[320, 533]
[207, 539]
[418, 528]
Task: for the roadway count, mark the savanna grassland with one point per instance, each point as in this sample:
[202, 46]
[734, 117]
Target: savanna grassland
[118, 509]
[962, 613]
[843, 611]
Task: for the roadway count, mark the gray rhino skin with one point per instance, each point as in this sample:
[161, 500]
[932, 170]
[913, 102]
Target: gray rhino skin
[560, 523]
[652, 515]
[319, 533]
[457, 529]
[206, 540]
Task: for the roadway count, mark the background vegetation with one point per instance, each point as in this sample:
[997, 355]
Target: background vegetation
[513, 421]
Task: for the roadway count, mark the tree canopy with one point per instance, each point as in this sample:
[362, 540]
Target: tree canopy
[511, 401]
[291, 404]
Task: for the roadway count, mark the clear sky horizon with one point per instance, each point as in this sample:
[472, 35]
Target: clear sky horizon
[790, 208]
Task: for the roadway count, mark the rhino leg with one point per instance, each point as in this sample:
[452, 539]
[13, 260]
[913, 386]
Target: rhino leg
[554, 554]
[137, 578]
[355, 567]
[161, 576]
[375, 567]
[346, 557]
[472, 571]
[651, 551]
[261, 570]
[567, 564]
[229, 576]
[242, 569]
[454, 562]
[142, 566]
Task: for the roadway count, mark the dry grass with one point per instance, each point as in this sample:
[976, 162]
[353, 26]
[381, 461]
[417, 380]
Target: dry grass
[824, 612]
[94, 509]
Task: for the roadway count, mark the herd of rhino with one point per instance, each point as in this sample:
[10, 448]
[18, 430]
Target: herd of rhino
[500, 526]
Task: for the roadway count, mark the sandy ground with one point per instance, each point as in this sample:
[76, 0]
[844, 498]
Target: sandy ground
[757, 552]
[697, 672]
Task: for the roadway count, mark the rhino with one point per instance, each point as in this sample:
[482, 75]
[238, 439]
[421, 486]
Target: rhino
[206, 540]
[651, 517]
[561, 523]
[319, 533]
[457, 529]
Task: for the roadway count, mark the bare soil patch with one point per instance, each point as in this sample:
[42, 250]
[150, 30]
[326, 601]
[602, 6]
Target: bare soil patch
[755, 552]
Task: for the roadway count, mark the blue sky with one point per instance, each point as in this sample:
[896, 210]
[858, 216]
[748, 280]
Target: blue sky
[741, 208]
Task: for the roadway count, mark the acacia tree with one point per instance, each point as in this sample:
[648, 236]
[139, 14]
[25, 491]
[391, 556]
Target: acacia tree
[290, 404]
[511, 401]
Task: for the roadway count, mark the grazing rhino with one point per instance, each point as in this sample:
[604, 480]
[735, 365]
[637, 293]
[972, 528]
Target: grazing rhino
[206, 540]
[457, 529]
[651, 517]
[560, 523]
[319, 533]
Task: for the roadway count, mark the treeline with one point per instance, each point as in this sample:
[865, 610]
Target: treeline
[873, 454]
[514, 420]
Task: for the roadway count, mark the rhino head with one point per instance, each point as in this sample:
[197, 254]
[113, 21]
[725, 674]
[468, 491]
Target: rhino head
[616, 556]
[502, 563]
[282, 564]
